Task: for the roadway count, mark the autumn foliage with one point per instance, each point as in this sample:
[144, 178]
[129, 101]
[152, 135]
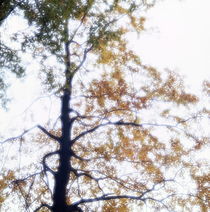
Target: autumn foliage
[128, 136]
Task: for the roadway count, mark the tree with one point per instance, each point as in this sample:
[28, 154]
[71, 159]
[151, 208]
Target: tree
[120, 141]
[6, 8]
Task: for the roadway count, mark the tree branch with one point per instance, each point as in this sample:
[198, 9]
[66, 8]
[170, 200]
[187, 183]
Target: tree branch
[106, 197]
[19, 136]
[83, 59]
[48, 133]
[121, 123]
[42, 206]
[28, 130]
[46, 167]
[6, 14]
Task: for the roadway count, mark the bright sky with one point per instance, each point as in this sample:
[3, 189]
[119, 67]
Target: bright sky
[177, 37]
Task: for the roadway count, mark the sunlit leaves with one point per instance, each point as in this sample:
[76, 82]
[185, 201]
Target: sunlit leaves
[120, 206]
[5, 185]
[203, 191]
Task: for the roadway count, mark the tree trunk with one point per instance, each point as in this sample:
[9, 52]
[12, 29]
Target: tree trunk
[62, 174]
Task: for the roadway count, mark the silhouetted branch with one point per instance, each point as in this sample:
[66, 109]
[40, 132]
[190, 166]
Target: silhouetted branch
[4, 13]
[35, 101]
[83, 59]
[46, 167]
[141, 197]
[78, 157]
[28, 130]
[42, 206]
[120, 123]
[19, 136]
[48, 133]
[106, 197]
[26, 178]
[93, 178]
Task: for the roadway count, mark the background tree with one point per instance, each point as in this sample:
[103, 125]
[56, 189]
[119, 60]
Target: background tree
[125, 136]
[7, 7]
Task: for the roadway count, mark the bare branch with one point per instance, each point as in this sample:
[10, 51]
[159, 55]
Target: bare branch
[19, 136]
[26, 178]
[30, 129]
[46, 167]
[48, 133]
[80, 24]
[78, 157]
[42, 206]
[87, 132]
[35, 101]
[106, 197]
[83, 59]
[92, 178]
[120, 123]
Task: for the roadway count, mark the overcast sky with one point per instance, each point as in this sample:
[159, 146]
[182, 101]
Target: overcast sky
[177, 37]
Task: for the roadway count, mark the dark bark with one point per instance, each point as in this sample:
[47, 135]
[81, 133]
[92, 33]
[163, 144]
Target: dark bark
[62, 174]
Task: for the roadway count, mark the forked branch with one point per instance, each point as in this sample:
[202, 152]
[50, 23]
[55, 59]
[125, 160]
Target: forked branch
[46, 167]
[48, 133]
[30, 129]
[120, 123]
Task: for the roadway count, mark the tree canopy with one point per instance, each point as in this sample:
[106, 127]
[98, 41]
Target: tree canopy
[128, 136]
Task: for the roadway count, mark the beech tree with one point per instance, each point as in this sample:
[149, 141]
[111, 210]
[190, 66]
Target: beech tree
[127, 137]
